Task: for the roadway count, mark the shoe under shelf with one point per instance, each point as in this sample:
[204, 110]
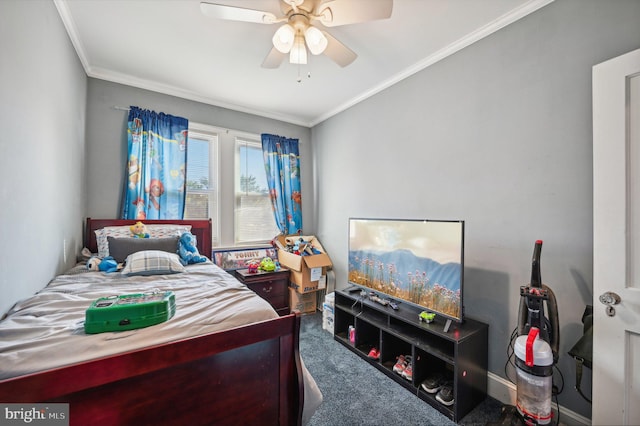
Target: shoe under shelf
[459, 356]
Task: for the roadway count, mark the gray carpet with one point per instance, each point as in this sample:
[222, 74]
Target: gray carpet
[356, 393]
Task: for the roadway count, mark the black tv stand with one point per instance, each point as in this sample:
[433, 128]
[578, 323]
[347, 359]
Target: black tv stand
[459, 352]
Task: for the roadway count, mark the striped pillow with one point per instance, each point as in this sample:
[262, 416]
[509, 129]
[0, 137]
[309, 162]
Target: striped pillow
[152, 262]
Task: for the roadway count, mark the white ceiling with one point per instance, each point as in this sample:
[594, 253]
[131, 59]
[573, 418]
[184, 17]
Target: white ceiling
[169, 46]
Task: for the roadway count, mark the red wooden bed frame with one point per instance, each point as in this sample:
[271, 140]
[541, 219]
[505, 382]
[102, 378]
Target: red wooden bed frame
[247, 375]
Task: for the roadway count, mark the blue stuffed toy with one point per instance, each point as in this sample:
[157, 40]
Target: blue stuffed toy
[188, 251]
[108, 264]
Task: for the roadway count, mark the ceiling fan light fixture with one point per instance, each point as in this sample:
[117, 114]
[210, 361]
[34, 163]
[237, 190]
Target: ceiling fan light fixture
[298, 54]
[316, 40]
[297, 33]
[284, 38]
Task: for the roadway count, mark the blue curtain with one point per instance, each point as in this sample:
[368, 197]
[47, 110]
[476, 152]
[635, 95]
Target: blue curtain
[282, 163]
[156, 166]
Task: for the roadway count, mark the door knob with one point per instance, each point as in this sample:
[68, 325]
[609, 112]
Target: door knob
[609, 298]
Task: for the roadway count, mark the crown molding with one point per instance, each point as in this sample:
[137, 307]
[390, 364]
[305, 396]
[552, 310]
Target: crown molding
[140, 83]
[70, 26]
[108, 75]
[479, 34]
[115, 77]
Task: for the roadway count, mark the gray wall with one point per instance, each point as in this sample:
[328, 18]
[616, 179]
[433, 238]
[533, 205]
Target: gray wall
[42, 148]
[107, 143]
[500, 135]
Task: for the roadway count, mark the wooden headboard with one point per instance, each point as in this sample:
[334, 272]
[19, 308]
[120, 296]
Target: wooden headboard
[201, 228]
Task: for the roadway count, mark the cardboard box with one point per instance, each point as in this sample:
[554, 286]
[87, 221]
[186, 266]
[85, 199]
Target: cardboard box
[306, 271]
[303, 303]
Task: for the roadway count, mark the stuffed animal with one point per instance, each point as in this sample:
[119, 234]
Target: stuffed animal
[267, 264]
[188, 251]
[304, 247]
[299, 247]
[252, 266]
[139, 230]
[93, 263]
[108, 264]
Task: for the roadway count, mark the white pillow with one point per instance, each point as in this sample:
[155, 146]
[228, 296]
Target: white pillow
[155, 231]
[163, 231]
[109, 231]
[152, 262]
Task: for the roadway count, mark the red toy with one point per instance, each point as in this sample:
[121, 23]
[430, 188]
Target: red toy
[253, 266]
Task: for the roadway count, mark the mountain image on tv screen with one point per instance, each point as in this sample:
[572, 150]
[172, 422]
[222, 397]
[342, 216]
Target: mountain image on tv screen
[416, 261]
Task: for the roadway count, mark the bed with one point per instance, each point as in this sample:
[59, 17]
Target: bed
[225, 357]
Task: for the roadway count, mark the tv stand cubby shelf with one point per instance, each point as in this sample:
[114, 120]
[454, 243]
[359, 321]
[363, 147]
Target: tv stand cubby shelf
[460, 354]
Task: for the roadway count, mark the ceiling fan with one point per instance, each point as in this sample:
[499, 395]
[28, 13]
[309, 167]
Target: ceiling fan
[298, 32]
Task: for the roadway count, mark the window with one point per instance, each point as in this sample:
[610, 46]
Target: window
[254, 220]
[202, 183]
[227, 182]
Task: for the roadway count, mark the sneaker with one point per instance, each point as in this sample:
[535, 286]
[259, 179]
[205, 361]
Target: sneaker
[407, 373]
[433, 383]
[401, 363]
[445, 394]
[374, 353]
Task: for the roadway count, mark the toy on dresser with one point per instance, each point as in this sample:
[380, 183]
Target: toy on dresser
[252, 266]
[268, 265]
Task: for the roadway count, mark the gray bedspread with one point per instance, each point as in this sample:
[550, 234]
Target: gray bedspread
[47, 329]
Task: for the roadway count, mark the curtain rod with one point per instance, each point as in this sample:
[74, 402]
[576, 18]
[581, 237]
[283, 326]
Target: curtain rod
[121, 108]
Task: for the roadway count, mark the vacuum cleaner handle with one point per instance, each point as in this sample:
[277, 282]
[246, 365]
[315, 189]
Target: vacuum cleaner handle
[536, 277]
[532, 309]
[523, 317]
[554, 323]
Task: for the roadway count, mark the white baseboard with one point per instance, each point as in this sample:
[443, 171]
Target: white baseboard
[505, 391]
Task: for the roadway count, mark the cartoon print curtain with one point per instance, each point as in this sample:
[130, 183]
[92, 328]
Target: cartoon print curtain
[282, 163]
[156, 166]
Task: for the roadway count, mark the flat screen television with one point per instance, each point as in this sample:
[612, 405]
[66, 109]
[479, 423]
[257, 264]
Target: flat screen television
[418, 262]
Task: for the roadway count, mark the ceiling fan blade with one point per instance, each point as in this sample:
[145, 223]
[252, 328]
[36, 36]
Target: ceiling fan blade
[338, 52]
[273, 59]
[308, 5]
[344, 12]
[231, 13]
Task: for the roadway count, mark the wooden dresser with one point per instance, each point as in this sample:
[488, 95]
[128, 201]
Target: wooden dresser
[271, 286]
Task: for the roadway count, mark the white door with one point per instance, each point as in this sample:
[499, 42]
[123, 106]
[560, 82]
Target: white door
[616, 240]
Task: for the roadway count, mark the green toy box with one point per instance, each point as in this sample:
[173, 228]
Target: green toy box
[129, 311]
